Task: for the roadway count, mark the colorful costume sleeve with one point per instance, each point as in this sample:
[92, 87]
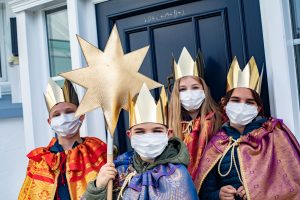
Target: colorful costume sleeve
[94, 193]
[269, 161]
[83, 164]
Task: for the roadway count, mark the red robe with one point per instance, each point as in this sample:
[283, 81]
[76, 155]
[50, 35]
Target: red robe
[196, 137]
[269, 160]
[82, 165]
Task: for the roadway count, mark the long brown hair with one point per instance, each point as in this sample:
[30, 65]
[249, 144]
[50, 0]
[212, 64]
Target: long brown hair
[176, 111]
[256, 98]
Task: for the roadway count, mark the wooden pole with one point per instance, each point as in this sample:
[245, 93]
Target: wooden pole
[110, 159]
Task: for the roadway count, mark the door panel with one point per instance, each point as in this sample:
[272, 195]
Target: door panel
[214, 42]
[163, 42]
[221, 29]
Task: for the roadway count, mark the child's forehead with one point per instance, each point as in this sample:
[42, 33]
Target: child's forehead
[148, 125]
[61, 107]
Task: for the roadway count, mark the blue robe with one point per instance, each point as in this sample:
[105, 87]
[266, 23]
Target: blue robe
[164, 181]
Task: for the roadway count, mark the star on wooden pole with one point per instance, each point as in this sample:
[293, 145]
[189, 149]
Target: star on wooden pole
[109, 77]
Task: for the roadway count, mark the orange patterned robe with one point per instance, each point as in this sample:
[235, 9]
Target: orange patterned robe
[196, 136]
[82, 165]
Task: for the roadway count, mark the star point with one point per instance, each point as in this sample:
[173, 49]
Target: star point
[109, 77]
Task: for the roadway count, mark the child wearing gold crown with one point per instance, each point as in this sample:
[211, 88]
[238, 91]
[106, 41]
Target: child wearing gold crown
[193, 114]
[156, 169]
[251, 157]
[62, 169]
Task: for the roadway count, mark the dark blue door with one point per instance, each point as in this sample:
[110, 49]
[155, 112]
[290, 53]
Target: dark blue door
[221, 29]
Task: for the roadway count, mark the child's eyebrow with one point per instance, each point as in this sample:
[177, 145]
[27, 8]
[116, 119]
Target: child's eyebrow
[250, 100]
[139, 129]
[54, 113]
[158, 128]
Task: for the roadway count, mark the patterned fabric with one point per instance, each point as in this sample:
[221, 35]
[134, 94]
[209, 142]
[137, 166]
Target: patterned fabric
[269, 160]
[196, 138]
[82, 165]
[210, 188]
[165, 181]
[62, 190]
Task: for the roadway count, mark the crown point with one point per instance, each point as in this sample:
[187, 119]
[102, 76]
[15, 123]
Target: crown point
[145, 110]
[248, 77]
[185, 65]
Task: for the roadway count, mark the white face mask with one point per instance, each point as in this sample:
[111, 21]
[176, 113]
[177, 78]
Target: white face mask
[149, 145]
[65, 124]
[192, 99]
[241, 113]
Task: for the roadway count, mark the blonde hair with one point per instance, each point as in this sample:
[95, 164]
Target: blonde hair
[175, 110]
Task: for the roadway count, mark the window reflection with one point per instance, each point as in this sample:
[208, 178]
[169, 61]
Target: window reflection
[295, 12]
[58, 41]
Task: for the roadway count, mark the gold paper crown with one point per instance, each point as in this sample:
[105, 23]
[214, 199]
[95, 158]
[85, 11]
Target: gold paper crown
[145, 110]
[186, 66]
[54, 94]
[248, 77]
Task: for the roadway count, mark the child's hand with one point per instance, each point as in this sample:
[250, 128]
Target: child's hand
[241, 192]
[107, 172]
[227, 193]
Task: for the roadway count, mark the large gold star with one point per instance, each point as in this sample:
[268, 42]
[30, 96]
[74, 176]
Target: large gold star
[109, 77]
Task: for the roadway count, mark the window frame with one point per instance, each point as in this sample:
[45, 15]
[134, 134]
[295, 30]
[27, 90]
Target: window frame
[3, 66]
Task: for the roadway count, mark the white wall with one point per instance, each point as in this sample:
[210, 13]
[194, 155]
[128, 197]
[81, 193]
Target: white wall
[280, 63]
[13, 157]
[12, 140]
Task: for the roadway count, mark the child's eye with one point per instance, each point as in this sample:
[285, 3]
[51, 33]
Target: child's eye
[234, 100]
[139, 132]
[182, 89]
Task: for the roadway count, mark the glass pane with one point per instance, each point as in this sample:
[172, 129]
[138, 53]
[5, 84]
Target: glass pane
[0, 63]
[295, 12]
[60, 83]
[297, 55]
[1, 36]
[58, 41]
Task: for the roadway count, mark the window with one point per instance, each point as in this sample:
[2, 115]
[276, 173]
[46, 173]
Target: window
[295, 17]
[58, 41]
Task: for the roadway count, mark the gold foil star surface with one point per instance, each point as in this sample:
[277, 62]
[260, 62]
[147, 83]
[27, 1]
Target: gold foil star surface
[248, 77]
[109, 77]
